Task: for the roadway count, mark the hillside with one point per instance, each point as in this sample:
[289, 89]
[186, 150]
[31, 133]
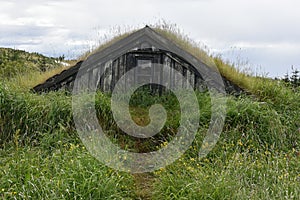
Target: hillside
[14, 62]
[42, 157]
[24, 69]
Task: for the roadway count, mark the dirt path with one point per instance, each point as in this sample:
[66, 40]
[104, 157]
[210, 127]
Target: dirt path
[143, 185]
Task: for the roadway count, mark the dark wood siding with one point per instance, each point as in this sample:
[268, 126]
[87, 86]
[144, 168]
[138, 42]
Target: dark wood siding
[160, 66]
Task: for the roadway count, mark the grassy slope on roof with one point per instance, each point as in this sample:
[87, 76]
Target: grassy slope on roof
[259, 86]
[255, 85]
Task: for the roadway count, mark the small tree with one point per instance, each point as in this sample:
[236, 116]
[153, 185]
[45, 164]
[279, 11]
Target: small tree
[286, 78]
[61, 58]
[295, 78]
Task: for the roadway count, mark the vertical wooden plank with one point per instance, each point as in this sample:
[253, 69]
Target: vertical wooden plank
[107, 76]
[90, 79]
[118, 70]
[114, 71]
[130, 64]
[192, 79]
[124, 68]
[166, 72]
[178, 79]
[184, 72]
[162, 62]
[96, 74]
[188, 77]
[101, 81]
[196, 81]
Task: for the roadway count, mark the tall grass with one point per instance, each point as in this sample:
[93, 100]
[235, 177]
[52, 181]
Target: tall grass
[26, 115]
[29, 115]
[63, 171]
[42, 157]
[261, 175]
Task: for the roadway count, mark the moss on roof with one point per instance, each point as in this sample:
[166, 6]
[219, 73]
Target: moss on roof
[259, 86]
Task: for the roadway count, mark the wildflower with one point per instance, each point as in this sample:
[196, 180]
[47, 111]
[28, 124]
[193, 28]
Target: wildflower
[164, 144]
[72, 147]
[240, 143]
[190, 168]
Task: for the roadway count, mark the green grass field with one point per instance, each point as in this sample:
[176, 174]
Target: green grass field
[42, 157]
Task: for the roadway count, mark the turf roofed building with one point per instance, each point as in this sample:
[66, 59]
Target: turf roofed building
[153, 57]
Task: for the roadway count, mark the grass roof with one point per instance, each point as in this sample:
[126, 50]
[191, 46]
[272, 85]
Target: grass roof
[254, 85]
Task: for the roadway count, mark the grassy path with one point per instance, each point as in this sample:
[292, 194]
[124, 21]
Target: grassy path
[143, 185]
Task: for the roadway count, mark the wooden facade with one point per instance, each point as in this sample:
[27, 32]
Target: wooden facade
[149, 63]
[149, 66]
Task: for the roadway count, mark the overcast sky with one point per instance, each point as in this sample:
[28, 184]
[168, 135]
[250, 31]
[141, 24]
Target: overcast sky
[261, 34]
